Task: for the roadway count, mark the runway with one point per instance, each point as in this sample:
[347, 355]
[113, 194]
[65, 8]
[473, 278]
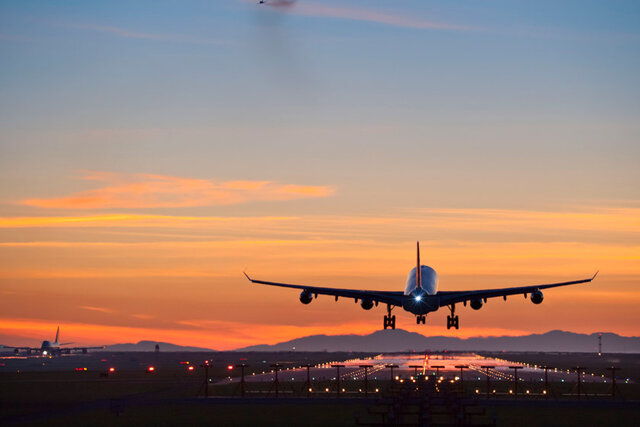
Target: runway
[442, 366]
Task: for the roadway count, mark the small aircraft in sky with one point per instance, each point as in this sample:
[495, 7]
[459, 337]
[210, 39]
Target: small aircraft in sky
[48, 348]
[277, 3]
[421, 295]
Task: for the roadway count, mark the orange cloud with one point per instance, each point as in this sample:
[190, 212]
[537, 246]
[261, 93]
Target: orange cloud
[162, 191]
[133, 220]
[99, 309]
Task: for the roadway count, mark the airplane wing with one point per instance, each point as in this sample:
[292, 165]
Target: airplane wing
[18, 350]
[83, 348]
[391, 298]
[448, 298]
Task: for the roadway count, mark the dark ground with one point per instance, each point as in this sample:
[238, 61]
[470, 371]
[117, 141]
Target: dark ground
[56, 394]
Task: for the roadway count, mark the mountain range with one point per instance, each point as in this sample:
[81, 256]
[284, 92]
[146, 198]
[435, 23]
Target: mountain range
[151, 346]
[401, 340]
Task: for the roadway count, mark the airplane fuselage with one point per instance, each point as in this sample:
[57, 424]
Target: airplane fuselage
[48, 348]
[423, 299]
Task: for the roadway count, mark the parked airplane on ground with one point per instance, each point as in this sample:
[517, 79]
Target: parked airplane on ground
[48, 348]
[421, 295]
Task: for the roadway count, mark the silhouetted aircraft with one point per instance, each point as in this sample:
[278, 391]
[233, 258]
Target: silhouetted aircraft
[48, 348]
[421, 295]
[277, 3]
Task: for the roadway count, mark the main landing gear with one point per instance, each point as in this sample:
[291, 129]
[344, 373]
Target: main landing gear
[421, 319]
[453, 321]
[389, 320]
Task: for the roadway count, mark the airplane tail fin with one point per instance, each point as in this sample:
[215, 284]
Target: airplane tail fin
[418, 269]
[57, 333]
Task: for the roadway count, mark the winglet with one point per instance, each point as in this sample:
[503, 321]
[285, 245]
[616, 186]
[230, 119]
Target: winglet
[594, 276]
[247, 276]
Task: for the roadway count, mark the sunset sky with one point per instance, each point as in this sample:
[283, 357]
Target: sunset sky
[150, 151]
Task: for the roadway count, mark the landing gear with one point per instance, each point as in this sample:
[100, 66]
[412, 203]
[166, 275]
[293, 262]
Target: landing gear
[453, 321]
[389, 320]
[421, 319]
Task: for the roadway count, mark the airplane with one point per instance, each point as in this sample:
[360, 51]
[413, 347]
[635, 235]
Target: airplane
[421, 295]
[277, 3]
[48, 348]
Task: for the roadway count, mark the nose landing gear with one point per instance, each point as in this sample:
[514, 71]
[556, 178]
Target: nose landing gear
[389, 320]
[453, 321]
[421, 319]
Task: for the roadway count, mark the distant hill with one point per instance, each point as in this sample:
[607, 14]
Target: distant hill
[151, 346]
[401, 340]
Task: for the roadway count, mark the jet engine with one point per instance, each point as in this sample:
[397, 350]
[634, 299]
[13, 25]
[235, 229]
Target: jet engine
[306, 297]
[366, 304]
[476, 303]
[536, 297]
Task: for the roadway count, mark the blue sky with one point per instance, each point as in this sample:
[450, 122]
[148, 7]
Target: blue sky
[161, 147]
[504, 90]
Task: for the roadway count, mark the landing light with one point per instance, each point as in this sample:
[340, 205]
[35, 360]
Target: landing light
[419, 298]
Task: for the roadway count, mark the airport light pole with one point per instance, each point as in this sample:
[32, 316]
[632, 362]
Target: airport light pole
[515, 372]
[486, 372]
[206, 378]
[308, 383]
[415, 370]
[242, 384]
[579, 372]
[437, 368]
[462, 368]
[391, 366]
[546, 381]
[366, 378]
[613, 370]
[276, 383]
[337, 378]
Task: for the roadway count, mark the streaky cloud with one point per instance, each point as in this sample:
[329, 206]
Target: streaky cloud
[362, 14]
[138, 190]
[130, 34]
